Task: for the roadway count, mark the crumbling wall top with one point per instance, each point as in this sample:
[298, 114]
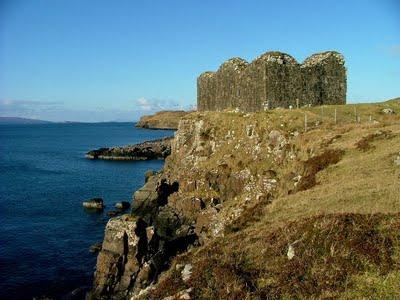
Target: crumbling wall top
[278, 57]
[322, 58]
[235, 64]
[207, 74]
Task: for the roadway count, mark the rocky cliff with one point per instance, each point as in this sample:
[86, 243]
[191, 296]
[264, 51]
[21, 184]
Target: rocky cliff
[234, 177]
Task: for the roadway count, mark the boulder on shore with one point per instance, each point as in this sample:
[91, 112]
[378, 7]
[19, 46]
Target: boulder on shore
[95, 203]
[112, 213]
[148, 174]
[95, 247]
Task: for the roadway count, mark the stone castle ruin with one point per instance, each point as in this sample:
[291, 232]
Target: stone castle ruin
[272, 80]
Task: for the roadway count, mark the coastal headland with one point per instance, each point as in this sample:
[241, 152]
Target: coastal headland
[284, 203]
[155, 149]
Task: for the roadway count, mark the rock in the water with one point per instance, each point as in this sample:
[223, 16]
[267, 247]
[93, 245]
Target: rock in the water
[95, 203]
[43, 297]
[78, 293]
[112, 213]
[122, 205]
[95, 247]
[388, 111]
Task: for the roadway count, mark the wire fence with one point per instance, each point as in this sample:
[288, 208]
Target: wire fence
[344, 114]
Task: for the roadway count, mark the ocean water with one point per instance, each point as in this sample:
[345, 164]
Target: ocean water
[44, 231]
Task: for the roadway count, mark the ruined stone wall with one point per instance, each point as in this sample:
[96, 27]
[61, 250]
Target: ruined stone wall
[206, 91]
[274, 79]
[324, 79]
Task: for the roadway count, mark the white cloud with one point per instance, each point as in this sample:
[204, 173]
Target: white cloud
[154, 104]
[57, 111]
[144, 104]
[10, 102]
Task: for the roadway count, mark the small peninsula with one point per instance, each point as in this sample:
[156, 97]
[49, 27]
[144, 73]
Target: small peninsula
[155, 149]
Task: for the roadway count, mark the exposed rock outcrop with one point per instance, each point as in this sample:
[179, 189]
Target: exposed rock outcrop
[120, 258]
[162, 120]
[388, 111]
[219, 169]
[137, 248]
[156, 149]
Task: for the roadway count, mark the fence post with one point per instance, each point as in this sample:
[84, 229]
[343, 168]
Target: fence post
[355, 113]
[335, 115]
[305, 122]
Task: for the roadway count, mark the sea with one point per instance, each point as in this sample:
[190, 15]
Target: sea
[45, 233]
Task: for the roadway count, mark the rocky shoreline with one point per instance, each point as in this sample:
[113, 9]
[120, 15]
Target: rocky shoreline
[193, 225]
[155, 149]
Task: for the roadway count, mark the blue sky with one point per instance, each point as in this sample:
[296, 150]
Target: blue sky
[116, 60]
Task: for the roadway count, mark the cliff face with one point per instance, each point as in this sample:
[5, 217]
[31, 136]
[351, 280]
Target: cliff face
[220, 165]
[273, 79]
[225, 170]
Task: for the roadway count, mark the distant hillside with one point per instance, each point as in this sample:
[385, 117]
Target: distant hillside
[16, 120]
[162, 120]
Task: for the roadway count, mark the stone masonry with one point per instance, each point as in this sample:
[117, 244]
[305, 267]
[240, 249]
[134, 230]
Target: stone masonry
[272, 80]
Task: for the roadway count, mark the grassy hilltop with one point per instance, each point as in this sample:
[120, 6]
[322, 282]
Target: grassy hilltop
[327, 228]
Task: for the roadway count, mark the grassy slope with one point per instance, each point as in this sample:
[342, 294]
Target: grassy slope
[344, 231]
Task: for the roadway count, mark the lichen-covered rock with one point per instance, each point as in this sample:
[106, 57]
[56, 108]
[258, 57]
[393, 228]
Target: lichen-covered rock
[397, 160]
[182, 295]
[120, 259]
[388, 111]
[273, 80]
